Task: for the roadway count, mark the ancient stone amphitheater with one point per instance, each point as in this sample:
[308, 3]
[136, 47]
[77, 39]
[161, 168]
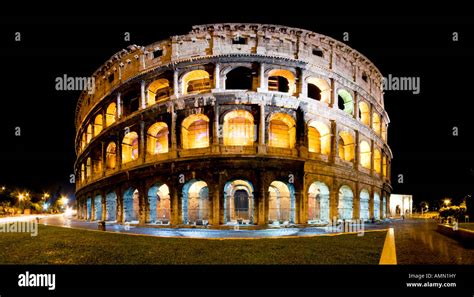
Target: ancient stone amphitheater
[231, 124]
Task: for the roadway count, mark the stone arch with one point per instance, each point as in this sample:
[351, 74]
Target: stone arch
[318, 203]
[160, 204]
[365, 154]
[195, 203]
[130, 148]
[239, 202]
[98, 124]
[157, 139]
[195, 131]
[319, 138]
[346, 203]
[239, 128]
[158, 91]
[110, 114]
[111, 156]
[345, 101]
[282, 130]
[281, 80]
[346, 146]
[364, 113]
[376, 123]
[377, 160]
[111, 206]
[131, 205]
[98, 207]
[376, 205]
[239, 78]
[281, 198]
[196, 81]
[319, 89]
[364, 208]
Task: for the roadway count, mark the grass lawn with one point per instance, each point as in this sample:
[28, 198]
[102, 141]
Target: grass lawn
[469, 226]
[56, 245]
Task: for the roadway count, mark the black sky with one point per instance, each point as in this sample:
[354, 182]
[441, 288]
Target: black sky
[433, 162]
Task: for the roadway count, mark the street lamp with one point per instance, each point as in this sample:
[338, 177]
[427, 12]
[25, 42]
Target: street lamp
[447, 202]
[64, 200]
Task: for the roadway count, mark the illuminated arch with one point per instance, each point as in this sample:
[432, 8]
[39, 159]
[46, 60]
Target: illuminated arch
[111, 156]
[196, 81]
[160, 204]
[195, 131]
[89, 168]
[98, 207]
[98, 125]
[196, 206]
[364, 204]
[131, 205]
[364, 113]
[130, 147]
[281, 80]
[345, 101]
[281, 198]
[238, 128]
[346, 146]
[384, 166]
[376, 123]
[89, 133]
[83, 172]
[377, 161]
[319, 89]
[319, 138]
[376, 206]
[83, 141]
[111, 206]
[239, 78]
[238, 201]
[158, 91]
[157, 138]
[110, 114]
[346, 203]
[365, 154]
[318, 203]
[282, 131]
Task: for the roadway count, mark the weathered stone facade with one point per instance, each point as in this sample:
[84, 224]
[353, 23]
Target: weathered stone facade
[243, 123]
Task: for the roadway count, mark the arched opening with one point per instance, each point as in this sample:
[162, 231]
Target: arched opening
[195, 131]
[376, 206]
[83, 141]
[239, 78]
[318, 203]
[110, 114]
[280, 80]
[319, 89]
[384, 208]
[96, 163]
[346, 146]
[196, 81]
[377, 161]
[131, 205]
[196, 203]
[384, 166]
[364, 205]
[98, 125]
[111, 156]
[319, 138]
[282, 131]
[83, 172]
[160, 206]
[131, 102]
[238, 128]
[365, 154]
[89, 168]
[89, 208]
[281, 198]
[157, 139]
[346, 203]
[130, 147]
[376, 123]
[384, 131]
[238, 202]
[345, 101]
[158, 91]
[89, 133]
[111, 206]
[98, 207]
[364, 113]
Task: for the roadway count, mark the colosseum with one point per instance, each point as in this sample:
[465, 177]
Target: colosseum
[247, 124]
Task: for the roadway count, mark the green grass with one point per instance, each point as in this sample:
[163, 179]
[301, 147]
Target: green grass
[469, 226]
[56, 245]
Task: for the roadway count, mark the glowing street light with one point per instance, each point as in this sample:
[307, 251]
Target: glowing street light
[64, 200]
[3, 188]
[447, 202]
[21, 196]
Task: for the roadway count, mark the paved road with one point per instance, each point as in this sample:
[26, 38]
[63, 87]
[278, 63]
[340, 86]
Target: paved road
[418, 242]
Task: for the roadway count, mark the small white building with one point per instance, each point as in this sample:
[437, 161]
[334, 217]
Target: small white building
[400, 204]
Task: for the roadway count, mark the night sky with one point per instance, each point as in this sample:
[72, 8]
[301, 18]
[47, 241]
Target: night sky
[434, 163]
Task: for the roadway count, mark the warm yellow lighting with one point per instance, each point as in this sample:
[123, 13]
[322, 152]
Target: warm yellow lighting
[323, 86]
[196, 81]
[195, 131]
[364, 112]
[376, 123]
[111, 155]
[377, 160]
[157, 138]
[110, 114]
[158, 91]
[64, 200]
[238, 128]
[130, 147]
[346, 146]
[21, 196]
[288, 75]
[282, 131]
[319, 138]
[447, 202]
[3, 188]
[365, 154]
[98, 125]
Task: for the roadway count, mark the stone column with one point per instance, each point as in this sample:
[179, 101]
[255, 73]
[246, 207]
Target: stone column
[104, 157]
[303, 86]
[215, 130]
[333, 204]
[104, 205]
[217, 77]
[142, 143]
[356, 202]
[333, 103]
[174, 145]
[371, 203]
[261, 130]
[92, 218]
[334, 143]
[356, 151]
[262, 81]
[118, 152]
[143, 203]
[215, 202]
[119, 106]
[372, 148]
[261, 208]
[143, 95]
[356, 105]
[176, 83]
[119, 214]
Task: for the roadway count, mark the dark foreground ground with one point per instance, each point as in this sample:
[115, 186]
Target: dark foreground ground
[57, 245]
